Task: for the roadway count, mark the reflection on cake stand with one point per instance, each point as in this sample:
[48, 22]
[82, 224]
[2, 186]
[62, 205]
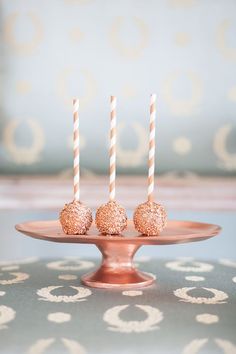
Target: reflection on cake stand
[117, 269]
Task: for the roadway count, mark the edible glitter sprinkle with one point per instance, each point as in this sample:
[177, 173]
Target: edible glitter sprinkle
[111, 218]
[75, 218]
[150, 218]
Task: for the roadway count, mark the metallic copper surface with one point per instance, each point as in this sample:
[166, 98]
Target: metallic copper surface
[117, 269]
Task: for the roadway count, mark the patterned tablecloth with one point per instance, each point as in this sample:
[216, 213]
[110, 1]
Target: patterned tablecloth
[45, 309]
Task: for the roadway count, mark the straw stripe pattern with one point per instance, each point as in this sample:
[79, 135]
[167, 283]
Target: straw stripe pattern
[151, 157]
[76, 150]
[112, 149]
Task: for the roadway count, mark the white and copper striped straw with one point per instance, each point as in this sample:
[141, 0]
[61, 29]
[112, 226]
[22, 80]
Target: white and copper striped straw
[112, 149]
[151, 155]
[76, 150]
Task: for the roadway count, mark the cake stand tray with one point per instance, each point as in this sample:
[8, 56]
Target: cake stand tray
[117, 269]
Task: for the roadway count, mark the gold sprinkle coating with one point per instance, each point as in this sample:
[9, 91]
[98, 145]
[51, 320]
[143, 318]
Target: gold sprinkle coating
[76, 218]
[111, 218]
[150, 218]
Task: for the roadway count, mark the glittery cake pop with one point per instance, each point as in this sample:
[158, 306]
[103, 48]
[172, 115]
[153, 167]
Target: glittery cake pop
[111, 217]
[75, 217]
[150, 218]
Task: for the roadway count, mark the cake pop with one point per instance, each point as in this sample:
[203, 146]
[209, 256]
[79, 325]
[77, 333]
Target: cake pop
[150, 218]
[111, 217]
[75, 217]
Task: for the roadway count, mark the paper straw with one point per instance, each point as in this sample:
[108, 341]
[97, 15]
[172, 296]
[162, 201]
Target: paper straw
[112, 149]
[76, 149]
[151, 156]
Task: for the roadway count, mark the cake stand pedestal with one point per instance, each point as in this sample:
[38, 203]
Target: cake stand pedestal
[117, 269]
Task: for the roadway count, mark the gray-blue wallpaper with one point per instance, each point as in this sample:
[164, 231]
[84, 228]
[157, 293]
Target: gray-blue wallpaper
[183, 50]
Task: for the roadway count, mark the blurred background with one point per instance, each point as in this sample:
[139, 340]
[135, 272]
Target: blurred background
[183, 50]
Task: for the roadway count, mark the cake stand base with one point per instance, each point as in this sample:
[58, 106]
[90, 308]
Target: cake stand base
[117, 269]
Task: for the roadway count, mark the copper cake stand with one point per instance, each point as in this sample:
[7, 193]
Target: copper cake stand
[117, 269]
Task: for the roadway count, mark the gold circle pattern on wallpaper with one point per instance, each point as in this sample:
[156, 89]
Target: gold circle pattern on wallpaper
[132, 52]
[19, 154]
[23, 87]
[76, 35]
[226, 160]
[232, 94]
[68, 173]
[182, 39]
[24, 47]
[132, 157]
[182, 145]
[183, 107]
[90, 86]
[227, 52]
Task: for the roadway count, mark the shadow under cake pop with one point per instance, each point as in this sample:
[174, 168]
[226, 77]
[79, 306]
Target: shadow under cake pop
[75, 217]
[150, 218]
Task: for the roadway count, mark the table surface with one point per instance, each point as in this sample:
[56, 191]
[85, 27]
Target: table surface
[45, 309]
